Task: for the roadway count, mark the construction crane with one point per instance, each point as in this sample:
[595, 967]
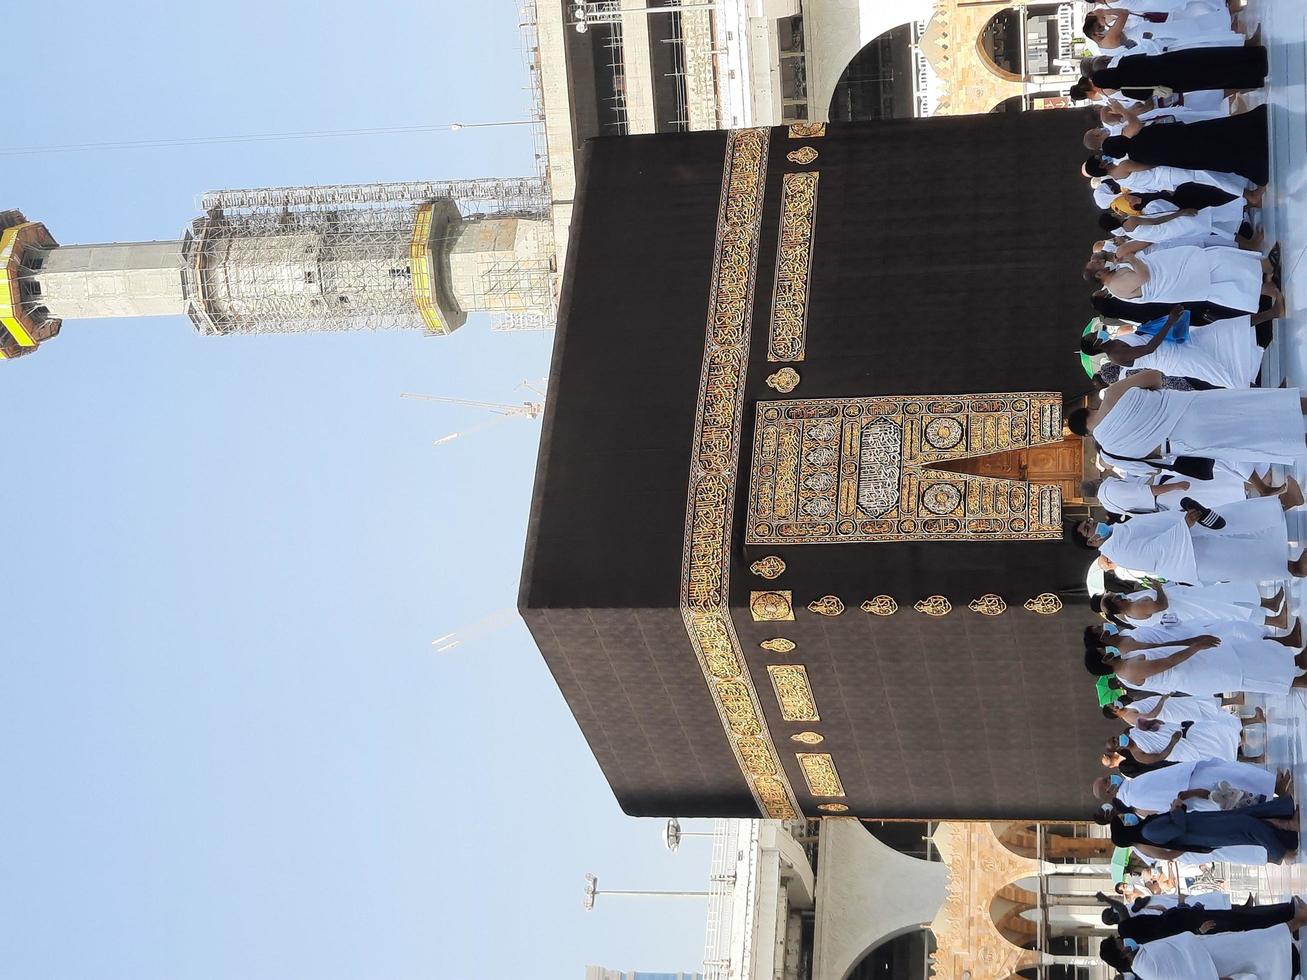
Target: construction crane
[502, 411]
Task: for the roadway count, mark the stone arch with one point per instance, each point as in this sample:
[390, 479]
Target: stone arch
[1060, 845]
[1018, 837]
[868, 893]
[981, 868]
[877, 82]
[1009, 909]
[908, 837]
[996, 42]
[903, 954]
[836, 30]
[965, 73]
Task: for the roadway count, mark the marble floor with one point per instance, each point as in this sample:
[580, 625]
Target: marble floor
[1284, 217]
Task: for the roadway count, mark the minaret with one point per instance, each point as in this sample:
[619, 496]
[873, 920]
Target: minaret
[418, 255]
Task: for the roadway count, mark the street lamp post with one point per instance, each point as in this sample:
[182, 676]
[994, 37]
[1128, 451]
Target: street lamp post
[672, 834]
[592, 892]
[458, 126]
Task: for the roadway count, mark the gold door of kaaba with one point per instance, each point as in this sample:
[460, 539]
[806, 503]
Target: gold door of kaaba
[835, 470]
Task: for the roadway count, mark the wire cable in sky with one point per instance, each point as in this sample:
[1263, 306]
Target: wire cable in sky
[247, 138]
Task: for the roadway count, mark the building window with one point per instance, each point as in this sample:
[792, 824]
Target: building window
[789, 35]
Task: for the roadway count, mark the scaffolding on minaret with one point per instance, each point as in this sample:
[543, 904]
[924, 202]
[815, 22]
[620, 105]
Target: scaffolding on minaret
[417, 255]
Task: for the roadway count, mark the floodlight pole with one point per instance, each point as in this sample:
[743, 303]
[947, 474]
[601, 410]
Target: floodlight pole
[592, 892]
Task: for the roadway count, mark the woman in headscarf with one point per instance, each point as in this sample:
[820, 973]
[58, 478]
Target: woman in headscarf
[1235, 144]
[1190, 70]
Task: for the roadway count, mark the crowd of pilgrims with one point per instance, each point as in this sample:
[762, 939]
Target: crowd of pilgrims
[1195, 531]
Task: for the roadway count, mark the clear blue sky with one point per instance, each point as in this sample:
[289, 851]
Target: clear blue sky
[227, 748]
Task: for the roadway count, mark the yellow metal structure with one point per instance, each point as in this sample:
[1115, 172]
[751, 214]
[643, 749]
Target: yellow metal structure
[419, 255]
[11, 308]
[21, 333]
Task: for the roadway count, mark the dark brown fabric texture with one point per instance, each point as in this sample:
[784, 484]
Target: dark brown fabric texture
[947, 259]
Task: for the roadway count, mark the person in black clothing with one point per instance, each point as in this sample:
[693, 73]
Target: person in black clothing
[1084, 90]
[1234, 144]
[1188, 70]
[1195, 196]
[1200, 313]
[1185, 918]
[1189, 196]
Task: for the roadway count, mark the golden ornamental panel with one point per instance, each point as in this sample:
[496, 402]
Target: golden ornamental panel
[785, 380]
[740, 713]
[934, 605]
[808, 738]
[836, 470]
[988, 604]
[803, 156]
[787, 331]
[819, 770]
[1046, 604]
[827, 605]
[705, 565]
[832, 808]
[773, 606]
[769, 567]
[881, 605]
[757, 757]
[793, 692]
[775, 796]
[778, 644]
[807, 131]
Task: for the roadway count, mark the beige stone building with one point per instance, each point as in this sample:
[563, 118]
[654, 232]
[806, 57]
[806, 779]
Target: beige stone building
[646, 66]
[844, 899]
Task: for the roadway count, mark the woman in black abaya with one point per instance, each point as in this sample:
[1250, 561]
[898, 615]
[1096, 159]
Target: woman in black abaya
[1189, 70]
[1234, 144]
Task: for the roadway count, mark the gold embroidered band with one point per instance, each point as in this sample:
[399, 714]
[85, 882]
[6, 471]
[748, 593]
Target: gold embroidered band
[705, 566]
[787, 331]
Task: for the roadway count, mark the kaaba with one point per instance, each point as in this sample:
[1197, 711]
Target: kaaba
[796, 544]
